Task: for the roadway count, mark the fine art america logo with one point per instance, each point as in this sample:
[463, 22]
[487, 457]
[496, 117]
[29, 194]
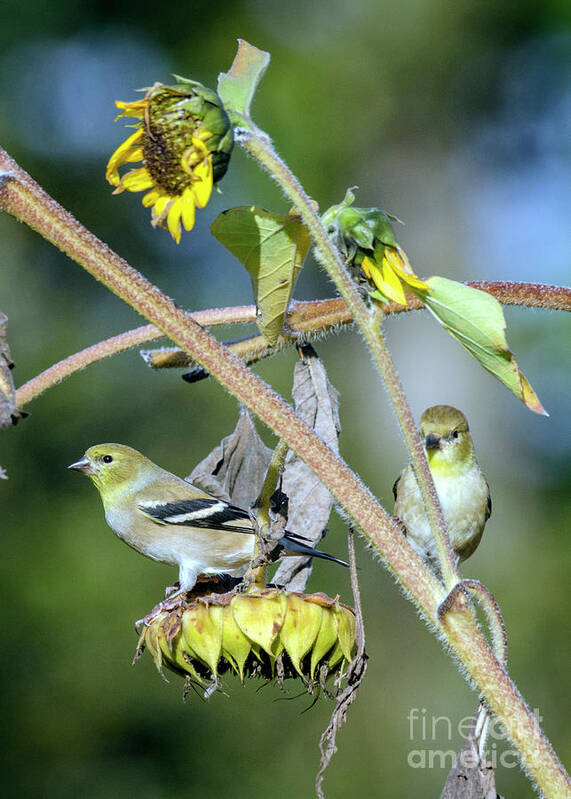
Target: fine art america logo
[434, 736]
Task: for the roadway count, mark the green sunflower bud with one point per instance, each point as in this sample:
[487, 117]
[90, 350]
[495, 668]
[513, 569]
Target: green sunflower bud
[266, 633]
[358, 232]
[366, 239]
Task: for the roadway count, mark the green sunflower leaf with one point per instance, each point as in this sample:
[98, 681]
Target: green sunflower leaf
[272, 248]
[237, 87]
[476, 320]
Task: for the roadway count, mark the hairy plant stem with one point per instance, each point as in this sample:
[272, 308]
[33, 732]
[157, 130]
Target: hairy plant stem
[258, 145]
[120, 343]
[498, 691]
[311, 319]
[27, 202]
[304, 319]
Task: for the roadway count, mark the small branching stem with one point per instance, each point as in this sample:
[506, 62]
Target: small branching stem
[270, 484]
[498, 691]
[489, 605]
[499, 641]
[120, 343]
[304, 320]
[354, 675]
[498, 637]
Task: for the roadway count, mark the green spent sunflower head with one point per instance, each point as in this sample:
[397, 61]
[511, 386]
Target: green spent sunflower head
[268, 633]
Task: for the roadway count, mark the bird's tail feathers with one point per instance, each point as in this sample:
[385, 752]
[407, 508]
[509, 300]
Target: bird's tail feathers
[296, 548]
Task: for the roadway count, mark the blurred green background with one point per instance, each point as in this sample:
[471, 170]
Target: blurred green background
[454, 116]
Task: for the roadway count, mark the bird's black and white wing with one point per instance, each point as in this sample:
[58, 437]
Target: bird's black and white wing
[214, 514]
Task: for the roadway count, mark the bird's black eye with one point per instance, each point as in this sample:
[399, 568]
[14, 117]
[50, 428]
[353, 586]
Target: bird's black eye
[455, 434]
[107, 458]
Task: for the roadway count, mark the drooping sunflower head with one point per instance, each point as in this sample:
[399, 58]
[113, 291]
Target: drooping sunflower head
[268, 633]
[184, 140]
[366, 239]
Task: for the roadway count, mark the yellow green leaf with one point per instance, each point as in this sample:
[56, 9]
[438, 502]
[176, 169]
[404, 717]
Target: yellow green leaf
[170, 656]
[237, 86]
[335, 656]
[272, 248]
[476, 320]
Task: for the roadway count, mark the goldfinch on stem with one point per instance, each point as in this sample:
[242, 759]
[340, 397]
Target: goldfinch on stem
[172, 521]
[461, 487]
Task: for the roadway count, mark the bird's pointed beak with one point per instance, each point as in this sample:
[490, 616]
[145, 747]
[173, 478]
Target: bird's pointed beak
[432, 441]
[84, 465]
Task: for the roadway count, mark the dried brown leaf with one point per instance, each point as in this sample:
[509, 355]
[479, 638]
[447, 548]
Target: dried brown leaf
[9, 413]
[234, 471]
[469, 777]
[310, 503]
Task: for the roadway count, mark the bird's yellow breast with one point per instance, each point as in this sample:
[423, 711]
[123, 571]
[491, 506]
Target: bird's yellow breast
[441, 466]
[463, 495]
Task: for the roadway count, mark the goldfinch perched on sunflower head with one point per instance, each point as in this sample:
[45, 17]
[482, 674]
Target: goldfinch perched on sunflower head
[169, 520]
[462, 489]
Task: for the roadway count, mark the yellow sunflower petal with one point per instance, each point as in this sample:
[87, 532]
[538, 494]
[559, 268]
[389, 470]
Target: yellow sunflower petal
[134, 154]
[188, 210]
[416, 283]
[200, 147]
[129, 142]
[112, 175]
[399, 263]
[137, 180]
[203, 134]
[377, 276]
[386, 282]
[151, 197]
[193, 155]
[202, 188]
[134, 109]
[392, 287]
[173, 220]
[160, 209]
[121, 155]
[366, 265]
[128, 157]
